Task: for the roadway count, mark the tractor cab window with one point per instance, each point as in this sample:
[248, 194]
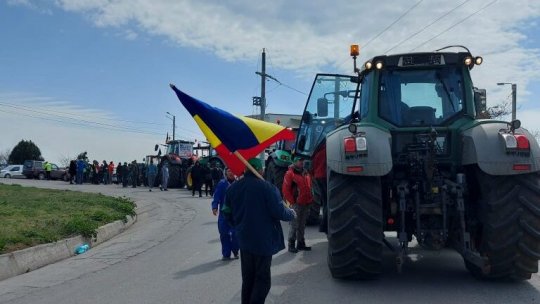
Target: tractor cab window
[420, 97]
[330, 105]
[172, 149]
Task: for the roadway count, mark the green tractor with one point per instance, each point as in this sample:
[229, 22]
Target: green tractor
[400, 151]
[179, 159]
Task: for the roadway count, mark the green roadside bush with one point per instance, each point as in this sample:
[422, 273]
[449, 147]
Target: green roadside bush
[32, 216]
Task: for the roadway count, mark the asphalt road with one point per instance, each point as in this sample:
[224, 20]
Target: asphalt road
[172, 255]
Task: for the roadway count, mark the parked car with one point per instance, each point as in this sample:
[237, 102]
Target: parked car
[12, 171]
[34, 169]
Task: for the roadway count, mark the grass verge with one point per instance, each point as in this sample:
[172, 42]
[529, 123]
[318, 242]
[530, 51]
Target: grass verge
[32, 216]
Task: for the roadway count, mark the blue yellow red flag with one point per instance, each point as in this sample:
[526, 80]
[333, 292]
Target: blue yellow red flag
[228, 133]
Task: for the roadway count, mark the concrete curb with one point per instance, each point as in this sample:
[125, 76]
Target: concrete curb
[26, 260]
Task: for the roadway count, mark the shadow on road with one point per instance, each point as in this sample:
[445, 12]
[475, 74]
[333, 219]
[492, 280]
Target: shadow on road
[427, 277]
[202, 268]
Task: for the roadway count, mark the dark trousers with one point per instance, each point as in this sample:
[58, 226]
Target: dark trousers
[197, 186]
[209, 185]
[256, 279]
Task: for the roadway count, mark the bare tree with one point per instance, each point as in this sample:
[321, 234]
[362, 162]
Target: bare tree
[536, 134]
[500, 110]
[64, 161]
[4, 156]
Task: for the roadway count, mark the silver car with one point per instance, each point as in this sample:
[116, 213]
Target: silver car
[12, 171]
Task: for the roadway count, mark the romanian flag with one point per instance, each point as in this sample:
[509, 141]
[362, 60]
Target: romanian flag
[229, 133]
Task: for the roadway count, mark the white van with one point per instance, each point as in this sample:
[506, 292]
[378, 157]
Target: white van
[12, 171]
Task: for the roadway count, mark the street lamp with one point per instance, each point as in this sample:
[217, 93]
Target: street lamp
[173, 123]
[514, 89]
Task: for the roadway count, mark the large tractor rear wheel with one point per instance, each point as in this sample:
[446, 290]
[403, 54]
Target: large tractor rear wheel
[509, 212]
[275, 174]
[355, 227]
[319, 198]
[189, 179]
[175, 180]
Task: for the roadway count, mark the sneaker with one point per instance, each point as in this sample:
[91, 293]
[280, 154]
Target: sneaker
[236, 257]
[165, 190]
[226, 258]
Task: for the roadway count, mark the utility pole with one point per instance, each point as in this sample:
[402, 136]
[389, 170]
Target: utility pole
[261, 101]
[514, 92]
[173, 125]
[263, 94]
[514, 97]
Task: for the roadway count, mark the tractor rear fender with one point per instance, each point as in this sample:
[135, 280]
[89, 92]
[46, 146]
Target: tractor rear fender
[376, 162]
[482, 145]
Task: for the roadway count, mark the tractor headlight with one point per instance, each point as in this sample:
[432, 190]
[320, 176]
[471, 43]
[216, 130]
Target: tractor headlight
[468, 61]
[368, 65]
[478, 60]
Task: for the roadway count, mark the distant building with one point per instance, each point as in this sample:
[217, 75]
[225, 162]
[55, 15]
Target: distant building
[286, 120]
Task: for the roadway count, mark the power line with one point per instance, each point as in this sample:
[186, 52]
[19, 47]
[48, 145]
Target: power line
[55, 113]
[111, 119]
[455, 24]
[395, 21]
[385, 29]
[85, 123]
[425, 27]
[64, 117]
[79, 124]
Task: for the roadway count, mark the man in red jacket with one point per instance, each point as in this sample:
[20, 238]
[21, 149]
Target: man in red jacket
[297, 191]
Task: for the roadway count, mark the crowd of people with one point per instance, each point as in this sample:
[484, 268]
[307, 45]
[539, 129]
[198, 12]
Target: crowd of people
[106, 173]
[135, 174]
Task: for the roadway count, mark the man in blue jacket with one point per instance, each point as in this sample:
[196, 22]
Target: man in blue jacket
[226, 232]
[255, 209]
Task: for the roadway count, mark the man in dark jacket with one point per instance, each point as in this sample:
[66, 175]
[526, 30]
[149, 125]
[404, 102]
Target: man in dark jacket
[72, 171]
[217, 175]
[254, 207]
[197, 177]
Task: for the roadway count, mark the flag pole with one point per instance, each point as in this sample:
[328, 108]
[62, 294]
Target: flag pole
[245, 162]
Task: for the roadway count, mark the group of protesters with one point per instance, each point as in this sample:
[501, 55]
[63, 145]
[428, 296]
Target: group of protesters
[106, 173]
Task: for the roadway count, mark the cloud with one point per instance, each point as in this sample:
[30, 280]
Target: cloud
[311, 36]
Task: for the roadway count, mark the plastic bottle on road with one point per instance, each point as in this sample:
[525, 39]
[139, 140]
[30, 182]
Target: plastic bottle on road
[82, 248]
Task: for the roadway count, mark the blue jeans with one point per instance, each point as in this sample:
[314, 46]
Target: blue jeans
[79, 178]
[227, 236]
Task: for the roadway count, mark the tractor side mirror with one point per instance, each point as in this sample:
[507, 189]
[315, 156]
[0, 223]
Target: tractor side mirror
[515, 124]
[306, 118]
[159, 152]
[322, 107]
[156, 147]
[480, 102]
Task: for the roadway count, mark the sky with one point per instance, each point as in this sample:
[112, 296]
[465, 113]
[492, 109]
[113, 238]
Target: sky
[93, 75]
